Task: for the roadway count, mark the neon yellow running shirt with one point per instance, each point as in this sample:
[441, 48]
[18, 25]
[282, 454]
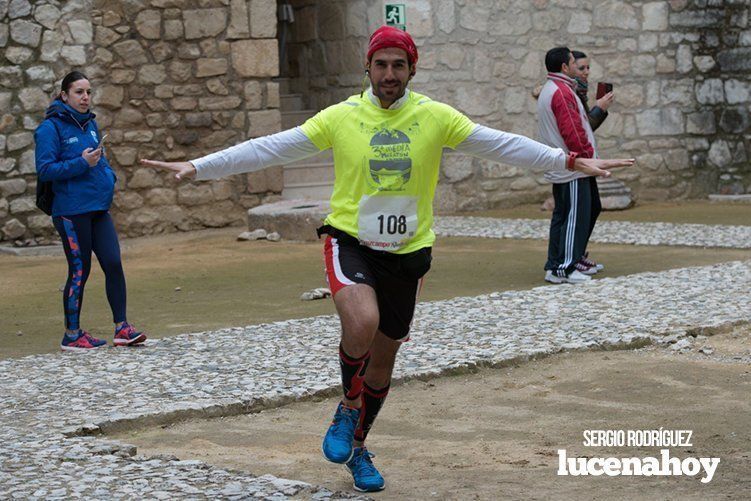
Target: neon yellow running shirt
[386, 164]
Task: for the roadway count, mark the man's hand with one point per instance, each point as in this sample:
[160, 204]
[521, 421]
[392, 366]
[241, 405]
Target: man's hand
[605, 101]
[598, 166]
[182, 170]
[92, 156]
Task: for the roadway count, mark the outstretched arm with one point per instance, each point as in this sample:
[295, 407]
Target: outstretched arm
[513, 149]
[256, 154]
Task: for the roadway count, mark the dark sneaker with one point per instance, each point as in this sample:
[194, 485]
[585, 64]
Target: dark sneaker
[592, 264]
[127, 335]
[83, 342]
[337, 444]
[581, 267]
[367, 478]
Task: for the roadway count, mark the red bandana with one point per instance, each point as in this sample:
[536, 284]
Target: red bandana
[388, 36]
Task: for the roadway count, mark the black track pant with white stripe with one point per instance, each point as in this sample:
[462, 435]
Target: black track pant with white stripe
[577, 205]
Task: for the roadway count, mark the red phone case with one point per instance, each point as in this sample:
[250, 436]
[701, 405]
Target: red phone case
[603, 88]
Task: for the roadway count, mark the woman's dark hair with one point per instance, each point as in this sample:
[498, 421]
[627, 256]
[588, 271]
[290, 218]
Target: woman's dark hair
[73, 76]
[556, 58]
[578, 55]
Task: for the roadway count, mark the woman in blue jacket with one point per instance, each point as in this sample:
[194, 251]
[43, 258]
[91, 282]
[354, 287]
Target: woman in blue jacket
[69, 154]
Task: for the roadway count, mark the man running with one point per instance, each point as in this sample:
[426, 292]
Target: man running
[387, 144]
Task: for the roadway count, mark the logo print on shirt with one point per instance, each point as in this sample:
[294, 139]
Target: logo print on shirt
[93, 134]
[390, 166]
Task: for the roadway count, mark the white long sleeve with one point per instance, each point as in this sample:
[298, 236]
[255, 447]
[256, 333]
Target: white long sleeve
[276, 149]
[512, 149]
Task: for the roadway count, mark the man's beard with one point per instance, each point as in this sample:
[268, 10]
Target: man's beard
[397, 91]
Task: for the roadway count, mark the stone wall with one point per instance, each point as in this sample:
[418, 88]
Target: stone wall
[172, 79]
[680, 69]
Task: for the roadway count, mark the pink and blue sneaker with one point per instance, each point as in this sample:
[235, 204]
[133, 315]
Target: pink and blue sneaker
[81, 342]
[127, 335]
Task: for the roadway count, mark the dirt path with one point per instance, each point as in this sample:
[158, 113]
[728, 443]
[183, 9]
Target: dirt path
[495, 434]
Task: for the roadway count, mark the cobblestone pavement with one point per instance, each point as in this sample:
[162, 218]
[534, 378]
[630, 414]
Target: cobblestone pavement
[46, 398]
[608, 232]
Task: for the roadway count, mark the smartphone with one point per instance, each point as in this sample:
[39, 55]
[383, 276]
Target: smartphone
[101, 141]
[603, 88]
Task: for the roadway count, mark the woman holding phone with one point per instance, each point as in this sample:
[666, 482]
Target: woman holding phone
[599, 112]
[69, 154]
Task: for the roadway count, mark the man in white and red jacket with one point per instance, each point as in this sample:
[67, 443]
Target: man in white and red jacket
[563, 123]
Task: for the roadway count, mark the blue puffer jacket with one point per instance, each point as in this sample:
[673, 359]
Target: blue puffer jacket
[60, 141]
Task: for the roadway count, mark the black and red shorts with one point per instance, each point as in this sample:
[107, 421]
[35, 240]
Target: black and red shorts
[396, 278]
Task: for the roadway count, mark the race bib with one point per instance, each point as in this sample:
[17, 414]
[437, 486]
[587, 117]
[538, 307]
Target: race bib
[387, 222]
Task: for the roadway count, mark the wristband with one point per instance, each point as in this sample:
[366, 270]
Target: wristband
[571, 159]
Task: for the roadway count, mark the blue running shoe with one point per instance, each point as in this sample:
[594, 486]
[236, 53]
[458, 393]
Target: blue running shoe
[84, 341]
[337, 444]
[367, 478]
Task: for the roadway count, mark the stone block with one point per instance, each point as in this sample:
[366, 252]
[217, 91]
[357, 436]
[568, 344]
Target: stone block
[239, 21]
[18, 55]
[81, 31]
[719, 153]
[266, 180]
[615, 14]
[519, 23]
[13, 229]
[644, 65]
[184, 103]
[253, 95]
[7, 164]
[219, 103]
[737, 91]
[204, 23]
[734, 120]
[702, 122]
[131, 53]
[676, 91]
[264, 122]
[104, 37]
[25, 32]
[161, 196]
[124, 155]
[683, 59]
[660, 122]
[419, 13]
[127, 200]
[704, 63]
[15, 8]
[27, 163]
[52, 44]
[19, 140]
[74, 55]
[710, 91]
[152, 74]
[255, 58]
[23, 205]
[109, 96]
[208, 67]
[39, 223]
[655, 16]
[738, 59]
[292, 219]
[263, 18]
[195, 194]
[33, 99]
[173, 29]
[12, 187]
[144, 178]
[704, 18]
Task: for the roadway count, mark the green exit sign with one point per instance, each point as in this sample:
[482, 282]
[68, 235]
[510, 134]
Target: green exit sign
[396, 15]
